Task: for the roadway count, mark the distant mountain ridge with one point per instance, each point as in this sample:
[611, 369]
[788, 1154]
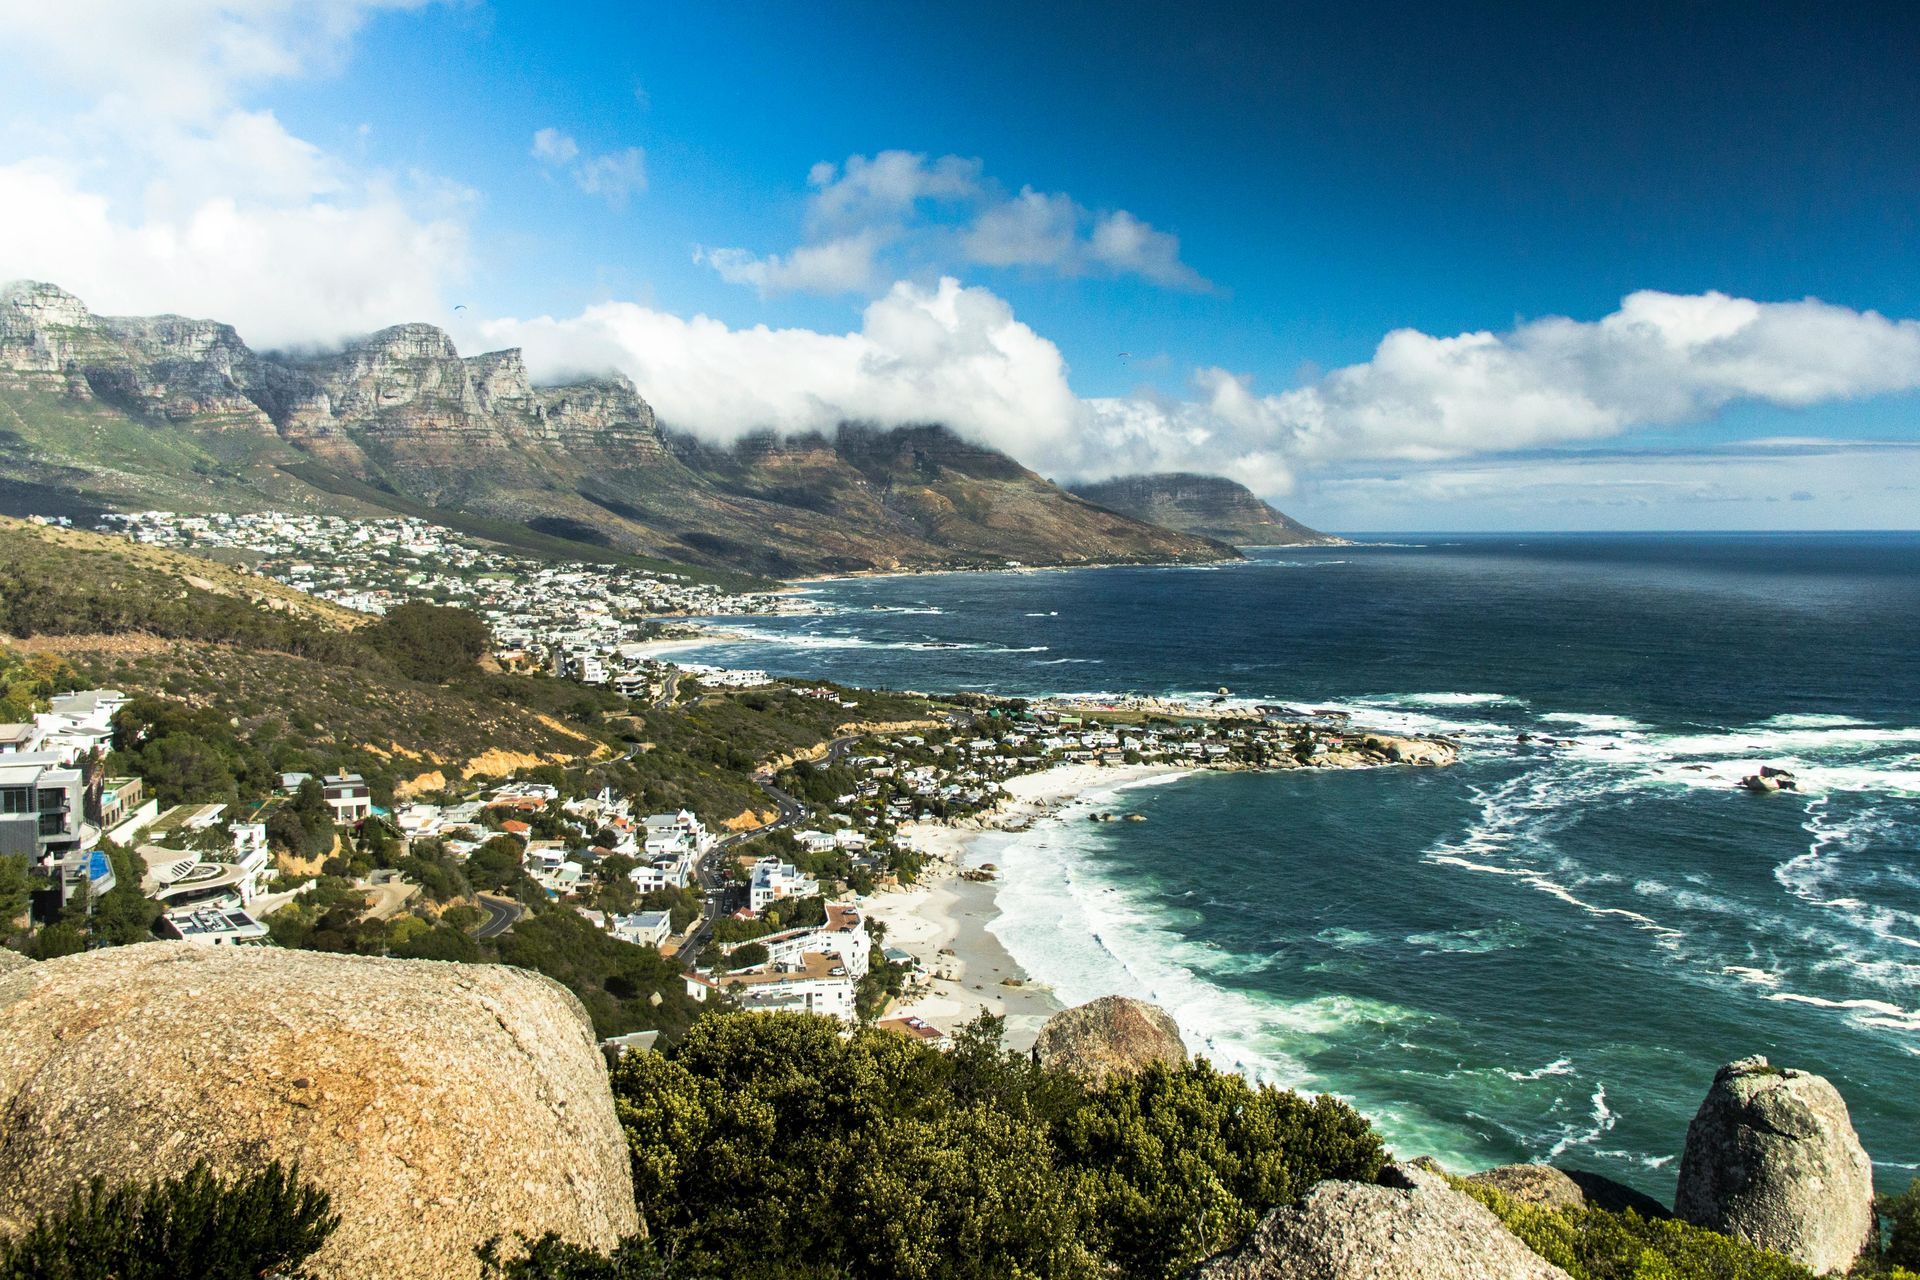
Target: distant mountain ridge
[1207, 506]
[102, 412]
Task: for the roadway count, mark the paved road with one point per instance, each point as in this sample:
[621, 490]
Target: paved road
[501, 913]
[720, 896]
[389, 898]
[668, 690]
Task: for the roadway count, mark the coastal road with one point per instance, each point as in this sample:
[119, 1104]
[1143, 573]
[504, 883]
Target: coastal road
[501, 913]
[669, 690]
[719, 895]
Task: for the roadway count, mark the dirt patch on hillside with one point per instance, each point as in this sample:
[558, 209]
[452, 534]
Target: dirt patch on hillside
[420, 785]
[747, 820]
[117, 644]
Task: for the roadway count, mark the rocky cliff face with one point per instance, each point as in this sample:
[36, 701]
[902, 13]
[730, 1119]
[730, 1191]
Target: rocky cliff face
[403, 412]
[439, 1104]
[1109, 1036]
[1772, 1157]
[1209, 506]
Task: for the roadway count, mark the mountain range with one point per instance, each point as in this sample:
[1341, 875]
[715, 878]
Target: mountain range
[117, 413]
[1206, 506]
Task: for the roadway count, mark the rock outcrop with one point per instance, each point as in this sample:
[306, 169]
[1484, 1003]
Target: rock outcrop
[1546, 1187]
[1772, 1158]
[1413, 1226]
[1108, 1036]
[1539, 1185]
[1210, 506]
[439, 1104]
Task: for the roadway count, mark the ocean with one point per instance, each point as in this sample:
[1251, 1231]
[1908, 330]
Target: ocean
[1544, 952]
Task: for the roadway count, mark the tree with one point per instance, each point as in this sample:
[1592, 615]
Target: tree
[197, 1227]
[429, 642]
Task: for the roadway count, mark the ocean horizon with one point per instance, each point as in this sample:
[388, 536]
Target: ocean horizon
[1544, 952]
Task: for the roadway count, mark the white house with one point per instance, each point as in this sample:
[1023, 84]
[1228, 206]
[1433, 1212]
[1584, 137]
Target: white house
[774, 880]
[817, 983]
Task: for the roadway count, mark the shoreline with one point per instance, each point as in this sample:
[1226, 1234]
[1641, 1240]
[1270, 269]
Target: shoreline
[944, 920]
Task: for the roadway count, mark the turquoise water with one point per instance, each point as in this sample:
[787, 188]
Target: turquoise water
[1545, 951]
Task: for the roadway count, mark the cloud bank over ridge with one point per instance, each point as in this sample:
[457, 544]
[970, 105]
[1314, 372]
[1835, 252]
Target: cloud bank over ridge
[959, 355]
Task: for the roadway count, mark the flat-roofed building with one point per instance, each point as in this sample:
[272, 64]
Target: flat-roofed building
[211, 926]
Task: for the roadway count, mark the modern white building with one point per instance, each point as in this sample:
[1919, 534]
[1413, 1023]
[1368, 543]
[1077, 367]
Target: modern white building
[348, 796]
[816, 983]
[774, 880]
[212, 927]
[844, 937]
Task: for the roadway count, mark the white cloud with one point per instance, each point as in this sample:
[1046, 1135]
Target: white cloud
[959, 355]
[182, 59]
[162, 193]
[845, 265]
[941, 212]
[614, 176]
[945, 353]
[550, 146]
[292, 273]
[1661, 359]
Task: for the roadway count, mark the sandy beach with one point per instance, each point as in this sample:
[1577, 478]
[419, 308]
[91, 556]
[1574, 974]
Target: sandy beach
[657, 649]
[942, 921]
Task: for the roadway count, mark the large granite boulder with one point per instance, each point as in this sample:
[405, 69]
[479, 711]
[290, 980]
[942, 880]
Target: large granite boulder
[1539, 1185]
[1772, 1158]
[1564, 1190]
[1108, 1036]
[439, 1104]
[1414, 1226]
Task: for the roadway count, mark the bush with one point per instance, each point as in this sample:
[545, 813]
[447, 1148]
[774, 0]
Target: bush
[199, 1227]
[1599, 1244]
[1179, 1161]
[1903, 1226]
[765, 1144]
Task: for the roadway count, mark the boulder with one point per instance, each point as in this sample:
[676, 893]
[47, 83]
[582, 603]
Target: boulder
[1546, 1187]
[1772, 1158]
[11, 960]
[1413, 1226]
[1539, 1185]
[439, 1104]
[1107, 1036]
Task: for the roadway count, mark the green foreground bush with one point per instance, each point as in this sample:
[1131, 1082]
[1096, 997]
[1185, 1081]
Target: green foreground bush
[1598, 1244]
[199, 1227]
[767, 1145]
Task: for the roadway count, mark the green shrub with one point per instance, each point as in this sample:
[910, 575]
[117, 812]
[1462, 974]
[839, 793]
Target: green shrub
[1902, 1213]
[768, 1145]
[1598, 1244]
[198, 1227]
[1178, 1162]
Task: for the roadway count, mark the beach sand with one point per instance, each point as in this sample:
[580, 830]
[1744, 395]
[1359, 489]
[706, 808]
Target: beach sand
[942, 921]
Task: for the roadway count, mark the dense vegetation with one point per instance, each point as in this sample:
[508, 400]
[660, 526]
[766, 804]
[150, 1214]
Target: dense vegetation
[1601, 1244]
[197, 1227]
[769, 1145]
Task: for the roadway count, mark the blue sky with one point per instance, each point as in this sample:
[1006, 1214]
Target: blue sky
[1246, 200]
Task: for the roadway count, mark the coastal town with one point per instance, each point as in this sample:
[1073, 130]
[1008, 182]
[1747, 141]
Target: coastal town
[571, 617]
[837, 895]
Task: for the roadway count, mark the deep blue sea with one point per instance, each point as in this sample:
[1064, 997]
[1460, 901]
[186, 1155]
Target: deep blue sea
[1545, 951]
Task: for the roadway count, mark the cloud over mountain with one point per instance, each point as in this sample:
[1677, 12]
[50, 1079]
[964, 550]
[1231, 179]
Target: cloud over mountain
[896, 211]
